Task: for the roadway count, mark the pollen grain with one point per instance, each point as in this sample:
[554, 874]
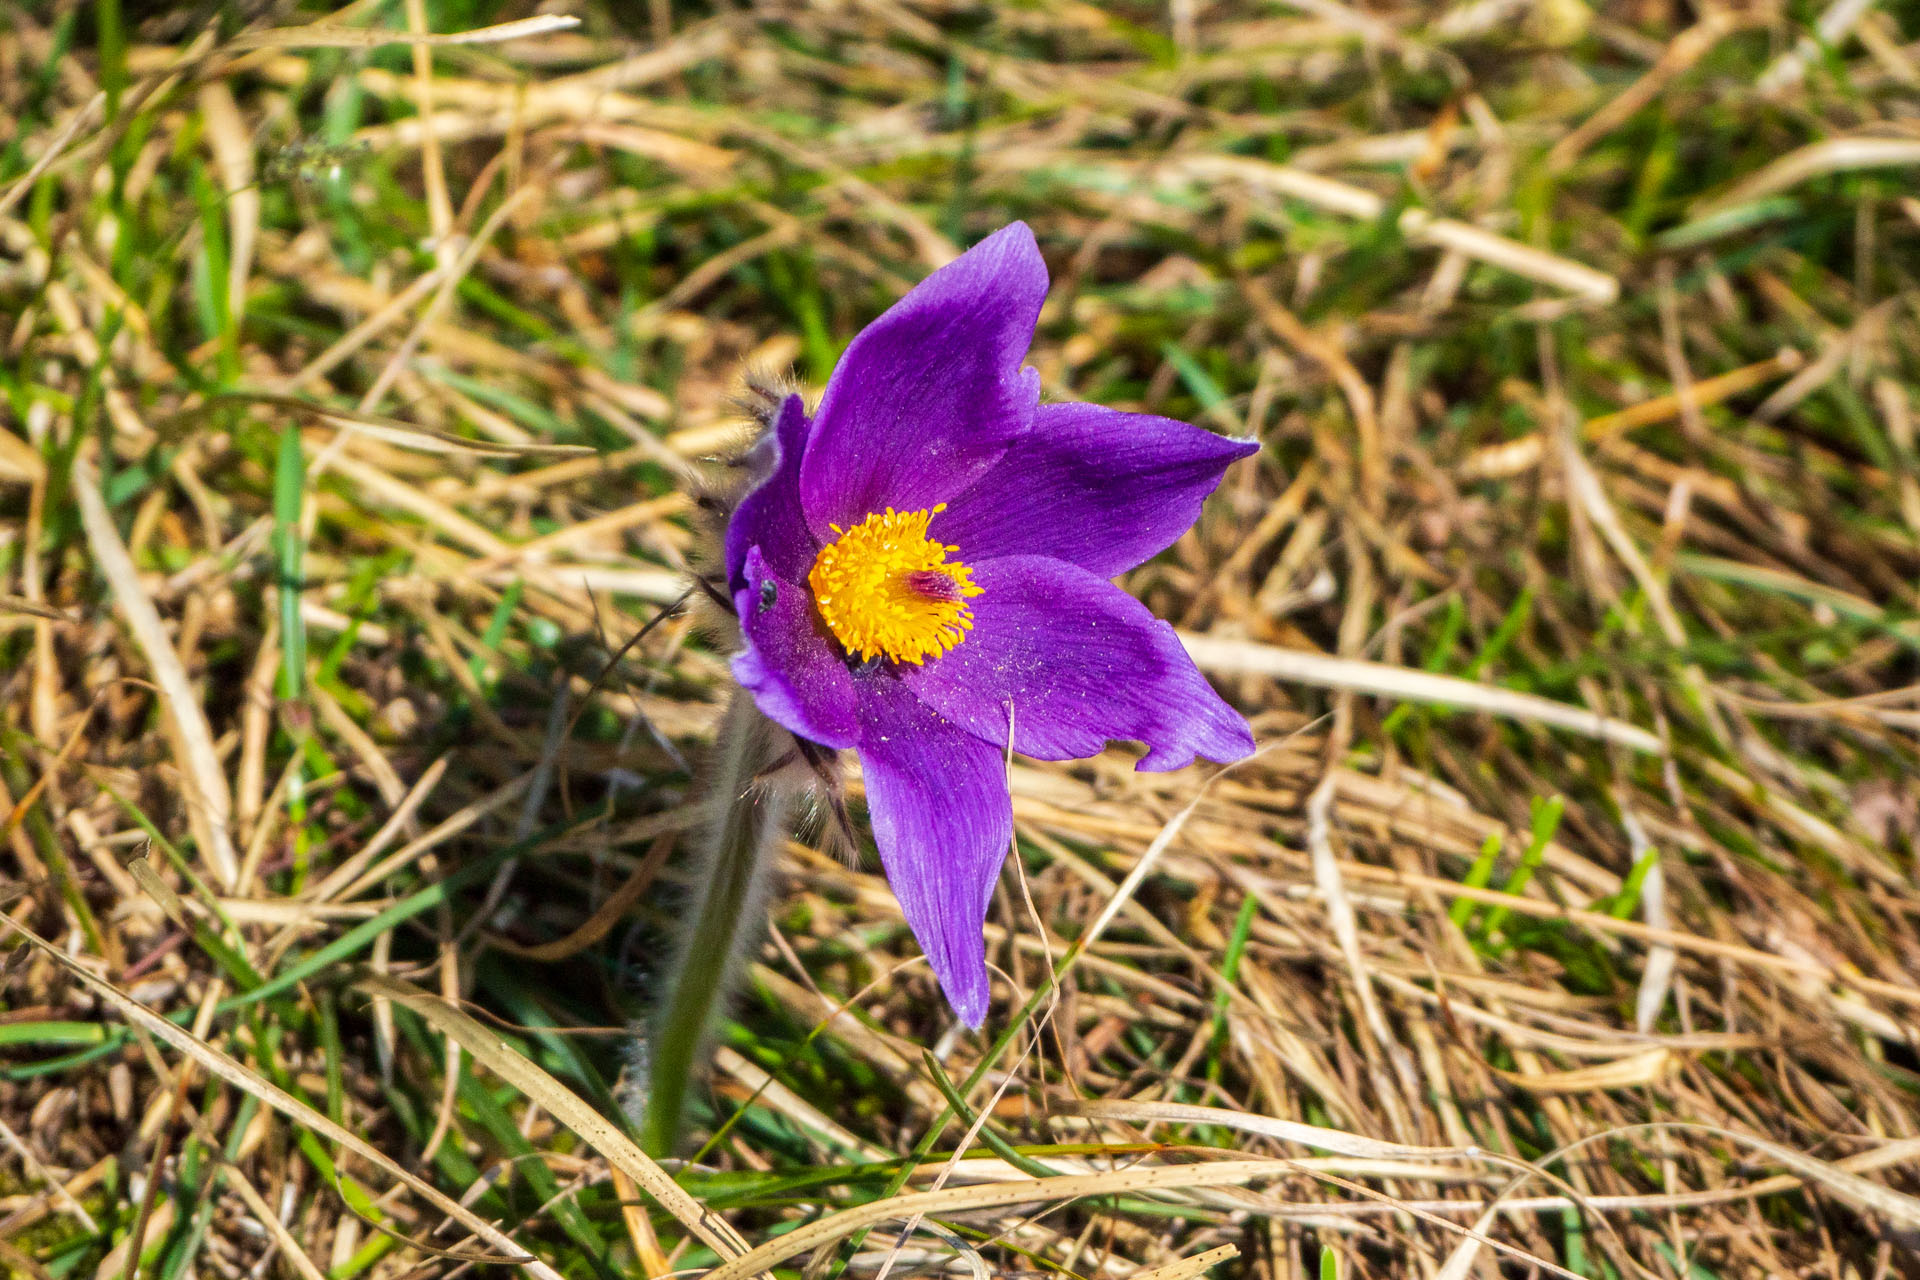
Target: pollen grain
[885, 589]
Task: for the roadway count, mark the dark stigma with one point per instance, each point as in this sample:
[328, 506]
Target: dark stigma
[934, 585]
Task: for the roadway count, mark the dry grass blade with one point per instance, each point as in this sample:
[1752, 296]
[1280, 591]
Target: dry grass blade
[240, 1077]
[1243, 657]
[32, 609]
[994, 1195]
[1306, 1135]
[1633, 1071]
[1681, 53]
[1596, 287]
[1511, 457]
[1836, 155]
[566, 1106]
[263, 1214]
[209, 803]
[1188, 1268]
[409, 435]
[324, 36]
[1899, 1209]
[55, 147]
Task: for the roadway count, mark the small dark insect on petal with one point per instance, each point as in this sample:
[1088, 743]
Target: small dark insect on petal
[769, 595]
[864, 666]
[934, 585]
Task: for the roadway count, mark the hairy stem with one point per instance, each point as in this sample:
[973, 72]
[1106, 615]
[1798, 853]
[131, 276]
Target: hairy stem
[730, 883]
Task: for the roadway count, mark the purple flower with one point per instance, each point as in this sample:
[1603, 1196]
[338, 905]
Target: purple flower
[928, 562]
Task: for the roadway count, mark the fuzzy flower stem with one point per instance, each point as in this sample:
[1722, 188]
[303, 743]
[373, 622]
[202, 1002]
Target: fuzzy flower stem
[736, 854]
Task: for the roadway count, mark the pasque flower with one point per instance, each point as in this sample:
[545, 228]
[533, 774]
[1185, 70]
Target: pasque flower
[925, 571]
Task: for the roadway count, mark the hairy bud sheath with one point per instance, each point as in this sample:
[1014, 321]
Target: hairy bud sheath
[738, 472]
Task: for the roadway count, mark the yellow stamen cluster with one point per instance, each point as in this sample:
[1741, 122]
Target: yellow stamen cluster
[885, 589]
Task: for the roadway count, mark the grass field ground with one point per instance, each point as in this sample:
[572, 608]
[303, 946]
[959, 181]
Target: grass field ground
[357, 385]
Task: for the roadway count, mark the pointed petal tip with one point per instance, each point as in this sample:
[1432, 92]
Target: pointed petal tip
[931, 394]
[943, 824]
[1097, 487]
[1226, 739]
[969, 998]
[957, 955]
[1015, 230]
[1084, 664]
[1020, 272]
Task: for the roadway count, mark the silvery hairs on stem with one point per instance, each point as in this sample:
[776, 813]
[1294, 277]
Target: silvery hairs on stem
[761, 783]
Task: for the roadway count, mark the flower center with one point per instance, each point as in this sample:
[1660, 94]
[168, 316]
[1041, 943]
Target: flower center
[885, 589]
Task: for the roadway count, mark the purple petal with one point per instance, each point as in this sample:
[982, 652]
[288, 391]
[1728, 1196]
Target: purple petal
[1103, 489]
[929, 395]
[790, 664]
[769, 517]
[1082, 662]
[943, 821]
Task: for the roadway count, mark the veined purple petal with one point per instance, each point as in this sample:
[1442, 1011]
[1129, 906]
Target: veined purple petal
[1102, 489]
[792, 667]
[1081, 662]
[929, 395]
[769, 517]
[943, 822]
